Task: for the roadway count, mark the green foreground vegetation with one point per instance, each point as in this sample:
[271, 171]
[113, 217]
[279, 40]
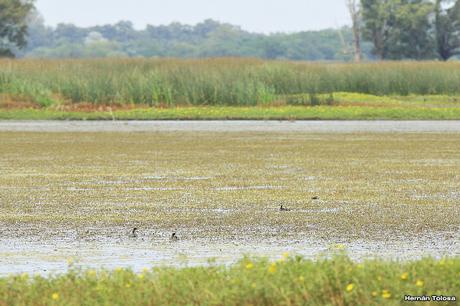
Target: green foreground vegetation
[288, 281]
[226, 89]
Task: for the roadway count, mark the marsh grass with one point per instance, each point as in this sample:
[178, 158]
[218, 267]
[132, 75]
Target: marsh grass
[287, 281]
[226, 81]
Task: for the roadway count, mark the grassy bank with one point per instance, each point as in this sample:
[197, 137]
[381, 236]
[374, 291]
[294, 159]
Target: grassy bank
[243, 113]
[288, 281]
[341, 105]
[228, 81]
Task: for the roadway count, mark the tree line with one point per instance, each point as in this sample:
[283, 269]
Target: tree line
[209, 38]
[380, 29]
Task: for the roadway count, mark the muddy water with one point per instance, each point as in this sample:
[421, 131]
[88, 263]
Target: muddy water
[46, 257]
[232, 126]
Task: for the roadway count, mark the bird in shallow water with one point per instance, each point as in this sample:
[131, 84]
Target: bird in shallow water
[174, 237]
[282, 208]
[134, 233]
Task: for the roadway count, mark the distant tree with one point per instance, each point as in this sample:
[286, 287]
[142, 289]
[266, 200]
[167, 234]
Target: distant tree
[355, 14]
[377, 16]
[411, 34]
[378, 20]
[399, 29]
[204, 28]
[38, 34]
[69, 33]
[223, 41]
[123, 31]
[447, 28]
[13, 25]
[206, 39]
[94, 38]
[274, 48]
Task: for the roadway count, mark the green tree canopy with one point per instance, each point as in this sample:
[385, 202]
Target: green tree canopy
[399, 29]
[206, 39]
[13, 24]
[447, 18]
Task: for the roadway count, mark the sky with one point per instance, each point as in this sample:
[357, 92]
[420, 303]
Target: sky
[264, 16]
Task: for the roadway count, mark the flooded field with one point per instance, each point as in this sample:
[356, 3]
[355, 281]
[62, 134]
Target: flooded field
[76, 190]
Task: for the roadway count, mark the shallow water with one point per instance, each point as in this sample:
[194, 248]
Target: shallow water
[232, 126]
[46, 257]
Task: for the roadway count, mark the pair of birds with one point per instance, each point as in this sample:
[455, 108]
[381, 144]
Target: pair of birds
[173, 236]
[282, 208]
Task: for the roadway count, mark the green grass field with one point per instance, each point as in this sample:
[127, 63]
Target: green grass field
[287, 281]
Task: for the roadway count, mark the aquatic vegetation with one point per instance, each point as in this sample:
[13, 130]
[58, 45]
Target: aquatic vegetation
[230, 185]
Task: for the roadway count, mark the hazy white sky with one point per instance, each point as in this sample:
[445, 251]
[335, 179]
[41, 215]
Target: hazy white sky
[253, 15]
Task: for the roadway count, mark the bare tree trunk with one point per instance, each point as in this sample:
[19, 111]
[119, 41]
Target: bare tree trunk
[355, 14]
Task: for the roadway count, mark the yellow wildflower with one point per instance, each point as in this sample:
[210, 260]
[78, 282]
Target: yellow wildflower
[91, 273]
[70, 261]
[272, 268]
[55, 296]
[128, 285]
[300, 279]
[141, 276]
[254, 285]
[405, 276]
[386, 294]
[249, 266]
[374, 293]
[350, 287]
[419, 283]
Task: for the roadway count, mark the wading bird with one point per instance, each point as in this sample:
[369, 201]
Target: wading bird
[134, 233]
[174, 237]
[284, 208]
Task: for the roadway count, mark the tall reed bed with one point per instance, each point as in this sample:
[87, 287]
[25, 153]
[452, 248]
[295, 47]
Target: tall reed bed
[223, 81]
